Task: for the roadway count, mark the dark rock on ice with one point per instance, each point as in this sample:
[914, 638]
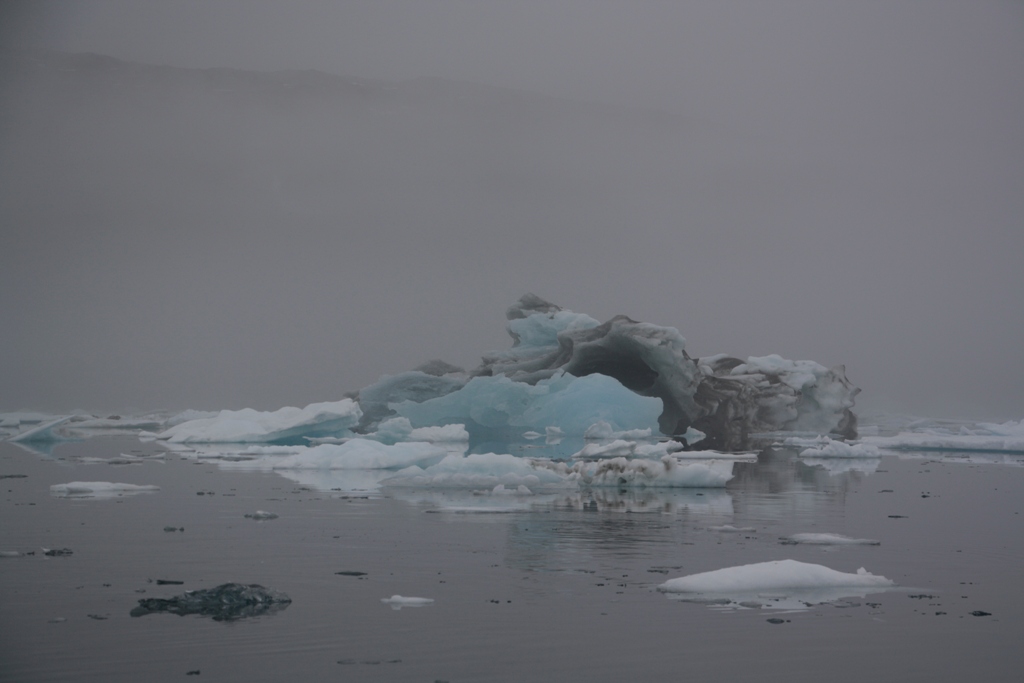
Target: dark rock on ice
[226, 602]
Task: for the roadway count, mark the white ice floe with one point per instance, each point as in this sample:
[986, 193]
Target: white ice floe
[838, 466]
[400, 601]
[261, 515]
[99, 489]
[772, 576]
[828, 539]
[616, 448]
[730, 529]
[354, 454]
[248, 425]
[982, 437]
[824, 447]
[488, 470]
[46, 432]
[602, 431]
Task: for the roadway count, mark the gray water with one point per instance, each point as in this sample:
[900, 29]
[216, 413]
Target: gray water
[561, 589]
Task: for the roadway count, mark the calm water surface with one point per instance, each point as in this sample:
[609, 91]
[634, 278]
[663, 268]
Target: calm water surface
[545, 588]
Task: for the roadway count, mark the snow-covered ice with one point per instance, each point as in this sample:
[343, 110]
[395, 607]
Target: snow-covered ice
[99, 489]
[248, 425]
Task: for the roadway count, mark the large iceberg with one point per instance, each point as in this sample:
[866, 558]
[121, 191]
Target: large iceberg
[566, 374]
[568, 371]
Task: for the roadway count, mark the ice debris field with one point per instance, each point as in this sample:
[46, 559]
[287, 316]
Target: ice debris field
[619, 404]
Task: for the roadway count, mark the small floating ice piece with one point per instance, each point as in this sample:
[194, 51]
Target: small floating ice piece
[43, 433]
[839, 449]
[602, 431]
[829, 539]
[399, 601]
[730, 529]
[532, 435]
[260, 515]
[616, 448]
[779, 574]
[99, 489]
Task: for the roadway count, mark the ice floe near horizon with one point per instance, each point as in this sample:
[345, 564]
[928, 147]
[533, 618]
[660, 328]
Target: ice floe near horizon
[354, 454]
[1007, 437]
[779, 584]
[99, 489]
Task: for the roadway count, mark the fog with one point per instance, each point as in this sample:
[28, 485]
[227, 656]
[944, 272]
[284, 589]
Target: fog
[265, 204]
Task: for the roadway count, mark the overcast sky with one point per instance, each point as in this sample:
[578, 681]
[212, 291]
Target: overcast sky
[846, 185]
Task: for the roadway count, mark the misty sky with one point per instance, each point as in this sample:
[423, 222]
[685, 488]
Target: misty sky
[837, 181]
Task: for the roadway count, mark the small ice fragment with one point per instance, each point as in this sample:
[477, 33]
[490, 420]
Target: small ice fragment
[260, 515]
[57, 552]
[398, 601]
[531, 435]
[99, 489]
[11, 553]
[730, 529]
[829, 539]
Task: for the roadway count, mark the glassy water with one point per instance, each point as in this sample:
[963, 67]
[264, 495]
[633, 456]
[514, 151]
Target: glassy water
[528, 588]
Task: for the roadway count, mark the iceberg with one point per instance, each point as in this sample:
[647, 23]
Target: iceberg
[284, 424]
[772, 576]
[567, 371]
[226, 602]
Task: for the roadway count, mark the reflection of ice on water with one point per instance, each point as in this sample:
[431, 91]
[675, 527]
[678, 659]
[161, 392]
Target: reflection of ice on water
[790, 600]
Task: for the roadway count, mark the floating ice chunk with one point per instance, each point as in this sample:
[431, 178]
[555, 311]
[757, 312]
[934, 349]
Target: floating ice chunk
[553, 432]
[666, 472]
[602, 431]
[984, 437]
[609, 450]
[837, 466]
[356, 454]
[663, 448]
[730, 529]
[245, 426]
[43, 433]
[769, 576]
[829, 539]
[261, 515]
[400, 601]
[479, 471]
[532, 435]
[226, 602]
[397, 429]
[99, 489]
[520, 490]
[839, 449]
